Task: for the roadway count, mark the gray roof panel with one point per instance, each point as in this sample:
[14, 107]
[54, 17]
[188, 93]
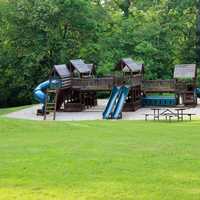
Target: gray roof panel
[90, 66]
[185, 71]
[62, 70]
[80, 66]
[132, 65]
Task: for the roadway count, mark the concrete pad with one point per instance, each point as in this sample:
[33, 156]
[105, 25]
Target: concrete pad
[94, 113]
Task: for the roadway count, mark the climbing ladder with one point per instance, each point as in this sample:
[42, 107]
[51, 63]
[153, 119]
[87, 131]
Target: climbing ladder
[51, 103]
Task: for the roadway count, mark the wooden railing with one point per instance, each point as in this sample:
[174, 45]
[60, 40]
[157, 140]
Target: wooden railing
[136, 80]
[66, 82]
[182, 85]
[105, 83]
[159, 85]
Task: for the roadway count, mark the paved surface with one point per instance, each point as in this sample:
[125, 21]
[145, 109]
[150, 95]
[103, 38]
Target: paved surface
[90, 114]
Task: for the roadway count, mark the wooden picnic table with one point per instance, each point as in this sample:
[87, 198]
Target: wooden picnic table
[180, 113]
[156, 113]
[169, 114]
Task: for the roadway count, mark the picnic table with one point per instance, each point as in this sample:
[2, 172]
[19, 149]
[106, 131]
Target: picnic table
[180, 113]
[169, 114]
[156, 113]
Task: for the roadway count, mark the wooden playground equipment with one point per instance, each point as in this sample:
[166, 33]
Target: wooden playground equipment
[79, 86]
[182, 88]
[75, 87]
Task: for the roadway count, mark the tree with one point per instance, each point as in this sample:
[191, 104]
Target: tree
[124, 5]
[36, 34]
[41, 33]
[198, 35]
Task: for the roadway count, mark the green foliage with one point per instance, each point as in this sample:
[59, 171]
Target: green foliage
[36, 34]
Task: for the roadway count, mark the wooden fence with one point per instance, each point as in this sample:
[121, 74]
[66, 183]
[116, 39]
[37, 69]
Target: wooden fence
[159, 86]
[105, 83]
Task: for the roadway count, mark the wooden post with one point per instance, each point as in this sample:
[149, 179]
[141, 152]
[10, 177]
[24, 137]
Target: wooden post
[55, 106]
[45, 107]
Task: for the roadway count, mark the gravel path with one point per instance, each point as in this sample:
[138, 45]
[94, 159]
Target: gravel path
[90, 114]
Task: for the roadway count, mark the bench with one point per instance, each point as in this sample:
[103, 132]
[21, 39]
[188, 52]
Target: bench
[189, 115]
[169, 116]
[147, 115]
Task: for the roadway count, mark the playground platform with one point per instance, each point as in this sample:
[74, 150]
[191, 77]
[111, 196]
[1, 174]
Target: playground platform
[94, 113]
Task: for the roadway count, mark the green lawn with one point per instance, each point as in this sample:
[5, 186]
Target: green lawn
[100, 160]
[4, 111]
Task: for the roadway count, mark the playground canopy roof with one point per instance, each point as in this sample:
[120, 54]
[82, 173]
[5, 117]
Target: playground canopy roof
[62, 70]
[129, 65]
[80, 66]
[90, 66]
[185, 71]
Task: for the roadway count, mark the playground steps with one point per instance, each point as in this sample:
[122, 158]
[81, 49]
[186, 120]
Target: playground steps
[51, 103]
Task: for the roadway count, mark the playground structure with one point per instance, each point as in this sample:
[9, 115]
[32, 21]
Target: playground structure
[74, 88]
[182, 87]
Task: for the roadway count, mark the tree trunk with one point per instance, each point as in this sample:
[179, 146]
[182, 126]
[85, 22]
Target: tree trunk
[126, 7]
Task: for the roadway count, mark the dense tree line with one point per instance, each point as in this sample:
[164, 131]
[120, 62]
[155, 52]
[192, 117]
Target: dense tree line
[35, 34]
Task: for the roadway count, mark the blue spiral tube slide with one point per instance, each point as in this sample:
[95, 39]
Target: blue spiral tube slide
[39, 93]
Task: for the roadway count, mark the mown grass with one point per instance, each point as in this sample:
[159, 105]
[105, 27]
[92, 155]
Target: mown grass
[4, 111]
[101, 160]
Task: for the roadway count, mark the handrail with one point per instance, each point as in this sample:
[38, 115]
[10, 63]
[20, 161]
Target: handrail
[159, 83]
[106, 82]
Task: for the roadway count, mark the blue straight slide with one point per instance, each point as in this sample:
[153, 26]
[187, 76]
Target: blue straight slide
[117, 114]
[111, 103]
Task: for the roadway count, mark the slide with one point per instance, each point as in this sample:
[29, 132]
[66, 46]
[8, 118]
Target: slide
[39, 93]
[117, 114]
[111, 103]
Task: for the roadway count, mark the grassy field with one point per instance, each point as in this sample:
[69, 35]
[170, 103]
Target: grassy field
[4, 111]
[100, 160]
